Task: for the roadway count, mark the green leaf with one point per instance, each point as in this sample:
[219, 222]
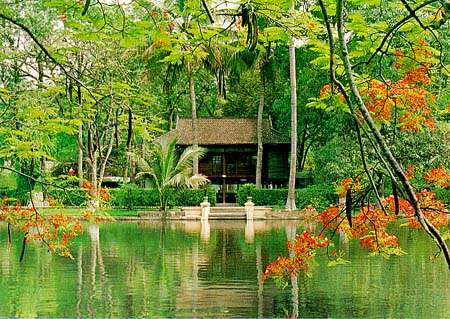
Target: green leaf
[338, 261]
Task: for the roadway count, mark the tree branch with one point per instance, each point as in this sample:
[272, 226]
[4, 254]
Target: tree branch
[393, 29]
[207, 11]
[427, 226]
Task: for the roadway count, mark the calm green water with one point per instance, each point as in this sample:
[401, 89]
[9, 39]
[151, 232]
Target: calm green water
[182, 270]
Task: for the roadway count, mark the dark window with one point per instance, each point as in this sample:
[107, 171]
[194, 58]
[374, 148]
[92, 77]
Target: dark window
[216, 165]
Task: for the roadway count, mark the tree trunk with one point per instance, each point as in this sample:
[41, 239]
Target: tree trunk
[194, 118]
[259, 154]
[105, 159]
[290, 202]
[80, 155]
[80, 127]
[302, 150]
[93, 160]
[129, 140]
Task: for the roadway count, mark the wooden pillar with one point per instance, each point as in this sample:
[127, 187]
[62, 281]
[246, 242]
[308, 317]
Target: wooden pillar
[224, 174]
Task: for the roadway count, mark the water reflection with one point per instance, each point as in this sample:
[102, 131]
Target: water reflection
[79, 280]
[214, 269]
[205, 232]
[249, 231]
[291, 231]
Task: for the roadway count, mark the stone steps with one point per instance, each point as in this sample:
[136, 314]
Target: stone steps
[228, 210]
[225, 212]
[228, 215]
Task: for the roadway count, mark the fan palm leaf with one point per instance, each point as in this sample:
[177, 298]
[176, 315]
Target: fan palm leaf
[167, 170]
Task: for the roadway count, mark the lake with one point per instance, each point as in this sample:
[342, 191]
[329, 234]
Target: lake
[190, 269]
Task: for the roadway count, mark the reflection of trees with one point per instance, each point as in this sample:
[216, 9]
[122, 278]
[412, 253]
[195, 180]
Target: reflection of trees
[291, 231]
[79, 280]
[152, 272]
[226, 257]
[102, 285]
[95, 239]
[259, 269]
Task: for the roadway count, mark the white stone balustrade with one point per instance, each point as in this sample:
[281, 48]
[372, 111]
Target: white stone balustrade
[206, 208]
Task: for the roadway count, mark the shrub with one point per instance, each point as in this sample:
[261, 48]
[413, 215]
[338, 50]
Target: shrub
[7, 181]
[69, 196]
[14, 195]
[131, 196]
[10, 190]
[243, 192]
[443, 194]
[192, 197]
[319, 196]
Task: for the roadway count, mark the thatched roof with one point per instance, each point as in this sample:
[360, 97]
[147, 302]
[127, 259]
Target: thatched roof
[226, 131]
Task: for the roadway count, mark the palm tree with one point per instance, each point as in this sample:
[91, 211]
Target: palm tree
[169, 171]
[194, 117]
[290, 202]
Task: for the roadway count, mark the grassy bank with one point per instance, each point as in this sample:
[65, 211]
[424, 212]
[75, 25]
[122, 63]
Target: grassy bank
[77, 212]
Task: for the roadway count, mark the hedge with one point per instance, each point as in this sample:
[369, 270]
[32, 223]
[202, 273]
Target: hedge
[319, 196]
[14, 195]
[131, 196]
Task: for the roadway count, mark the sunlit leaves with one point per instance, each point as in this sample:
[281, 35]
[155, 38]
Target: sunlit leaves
[438, 176]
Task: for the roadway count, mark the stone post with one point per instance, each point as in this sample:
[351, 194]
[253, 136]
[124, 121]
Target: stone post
[206, 207]
[249, 208]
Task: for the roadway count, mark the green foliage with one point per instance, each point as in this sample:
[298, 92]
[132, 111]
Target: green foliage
[336, 159]
[443, 194]
[69, 196]
[9, 188]
[131, 196]
[7, 181]
[414, 147]
[15, 195]
[319, 196]
[244, 192]
[169, 171]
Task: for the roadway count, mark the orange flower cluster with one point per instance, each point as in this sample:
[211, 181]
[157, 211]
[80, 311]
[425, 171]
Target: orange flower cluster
[89, 216]
[331, 219]
[55, 231]
[86, 185]
[103, 192]
[408, 94]
[304, 249]
[346, 184]
[409, 171]
[326, 93]
[370, 228]
[433, 209]
[438, 176]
